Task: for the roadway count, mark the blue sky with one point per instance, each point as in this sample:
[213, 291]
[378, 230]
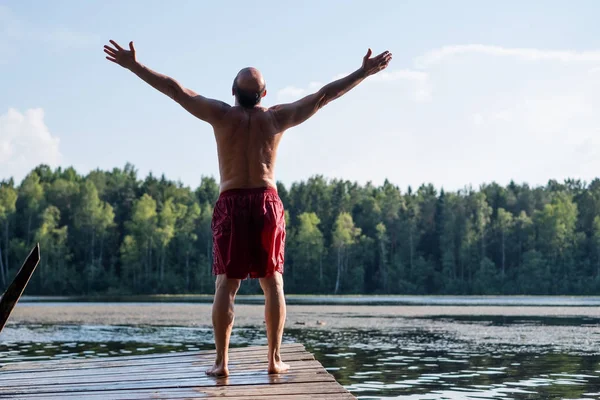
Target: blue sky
[476, 92]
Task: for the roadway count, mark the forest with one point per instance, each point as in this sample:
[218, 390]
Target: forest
[112, 233]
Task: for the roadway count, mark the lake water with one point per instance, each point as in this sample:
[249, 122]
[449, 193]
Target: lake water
[566, 301]
[433, 357]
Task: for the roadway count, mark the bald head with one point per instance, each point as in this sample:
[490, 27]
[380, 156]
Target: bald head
[249, 87]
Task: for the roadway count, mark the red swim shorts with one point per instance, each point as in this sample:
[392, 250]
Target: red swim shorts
[248, 227]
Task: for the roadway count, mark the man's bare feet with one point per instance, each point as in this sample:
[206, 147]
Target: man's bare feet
[218, 370]
[278, 367]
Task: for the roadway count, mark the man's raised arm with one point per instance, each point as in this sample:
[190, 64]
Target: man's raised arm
[292, 114]
[208, 110]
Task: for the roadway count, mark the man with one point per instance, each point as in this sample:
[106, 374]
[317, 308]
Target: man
[248, 222]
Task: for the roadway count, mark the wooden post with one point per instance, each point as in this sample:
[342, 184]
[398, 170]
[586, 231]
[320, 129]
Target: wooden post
[15, 290]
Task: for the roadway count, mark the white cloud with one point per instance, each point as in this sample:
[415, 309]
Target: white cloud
[419, 81]
[496, 114]
[400, 74]
[521, 120]
[26, 142]
[290, 92]
[438, 55]
[393, 75]
[294, 93]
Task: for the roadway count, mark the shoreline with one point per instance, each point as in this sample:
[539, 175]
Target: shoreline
[247, 315]
[294, 299]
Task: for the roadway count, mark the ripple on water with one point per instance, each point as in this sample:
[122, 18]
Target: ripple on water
[415, 364]
[422, 369]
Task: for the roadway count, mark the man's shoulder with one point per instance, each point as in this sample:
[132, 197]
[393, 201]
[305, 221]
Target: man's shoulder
[235, 109]
[235, 114]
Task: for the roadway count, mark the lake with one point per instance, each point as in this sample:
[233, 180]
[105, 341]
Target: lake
[504, 348]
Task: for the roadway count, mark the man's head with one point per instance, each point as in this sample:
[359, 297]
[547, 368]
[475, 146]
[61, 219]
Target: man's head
[249, 87]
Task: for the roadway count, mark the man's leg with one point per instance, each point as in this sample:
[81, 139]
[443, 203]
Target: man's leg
[275, 319]
[222, 317]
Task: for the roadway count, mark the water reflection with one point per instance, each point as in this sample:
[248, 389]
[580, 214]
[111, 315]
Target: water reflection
[409, 364]
[416, 365]
[43, 342]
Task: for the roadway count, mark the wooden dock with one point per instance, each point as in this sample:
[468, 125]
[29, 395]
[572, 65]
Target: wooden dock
[171, 376]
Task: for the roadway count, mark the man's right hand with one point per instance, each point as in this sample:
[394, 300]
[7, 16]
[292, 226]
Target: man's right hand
[118, 55]
[373, 65]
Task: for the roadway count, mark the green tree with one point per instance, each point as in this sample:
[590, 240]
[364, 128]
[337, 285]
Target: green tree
[481, 216]
[504, 224]
[111, 232]
[8, 202]
[412, 217]
[486, 278]
[31, 196]
[142, 228]
[449, 231]
[130, 258]
[91, 219]
[596, 242]
[165, 231]
[52, 271]
[556, 238]
[345, 235]
[525, 235]
[205, 242]
[308, 247]
[535, 274]
[208, 191]
[187, 237]
[556, 225]
[382, 241]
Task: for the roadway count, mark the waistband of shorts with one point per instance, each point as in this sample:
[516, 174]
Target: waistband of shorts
[248, 191]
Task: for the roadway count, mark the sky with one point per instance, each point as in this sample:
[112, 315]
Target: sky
[476, 92]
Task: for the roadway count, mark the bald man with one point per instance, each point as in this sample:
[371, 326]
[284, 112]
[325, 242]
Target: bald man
[248, 222]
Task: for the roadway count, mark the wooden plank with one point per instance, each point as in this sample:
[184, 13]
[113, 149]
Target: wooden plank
[188, 356]
[194, 395]
[140, 374]
[251, 379]
[7, 377]
[190, 394]
[127, 369]
[197, 359]
[177, 376]
[184, 357]
[240, 363]
[219, 391]
[11, 297]
[332, 396]
[289, 389]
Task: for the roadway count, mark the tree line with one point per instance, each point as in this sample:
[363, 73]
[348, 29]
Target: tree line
[109, 232]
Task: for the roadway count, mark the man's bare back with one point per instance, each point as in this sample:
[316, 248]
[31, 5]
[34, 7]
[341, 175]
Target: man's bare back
[248, 220]
[247, 142]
